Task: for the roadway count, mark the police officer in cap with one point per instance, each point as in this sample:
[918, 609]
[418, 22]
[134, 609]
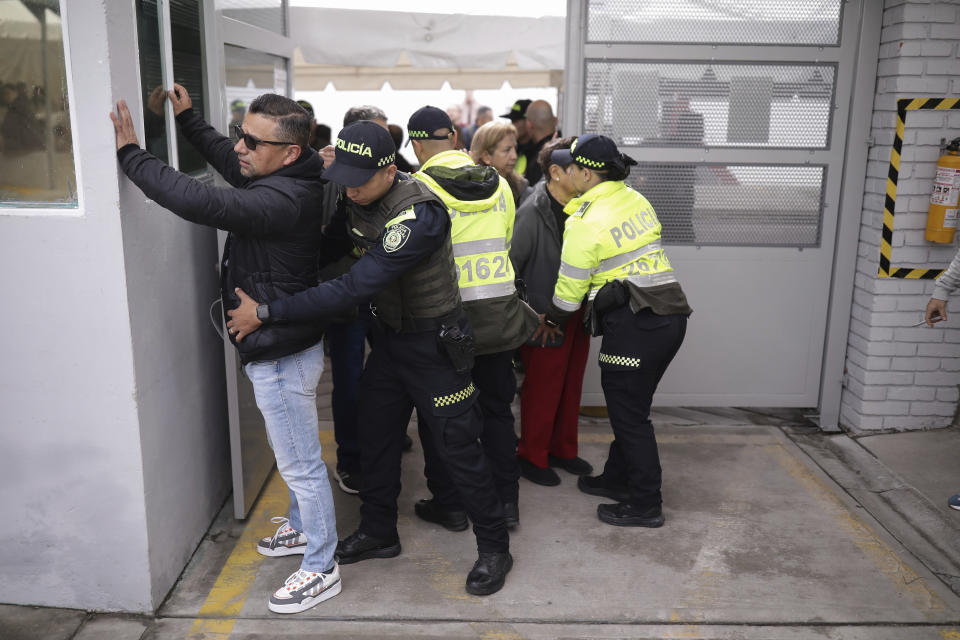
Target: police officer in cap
[518, 117]
[612, 257]
[422, 347]
[481, 213]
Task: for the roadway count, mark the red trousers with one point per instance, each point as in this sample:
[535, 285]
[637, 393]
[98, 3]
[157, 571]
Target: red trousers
[550, 398]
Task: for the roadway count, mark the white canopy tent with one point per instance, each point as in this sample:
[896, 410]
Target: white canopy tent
[423, 50]
[22, 43]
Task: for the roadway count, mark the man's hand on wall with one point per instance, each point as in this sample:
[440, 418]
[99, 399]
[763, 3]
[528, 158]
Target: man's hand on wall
[123, 126]
[243, 319]
[180, 99]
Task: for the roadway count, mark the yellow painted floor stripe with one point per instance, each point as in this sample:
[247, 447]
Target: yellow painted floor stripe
[879, 552]
[217, 616]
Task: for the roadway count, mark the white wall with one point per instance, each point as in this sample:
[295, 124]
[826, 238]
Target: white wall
[900, 377]
[113, 419]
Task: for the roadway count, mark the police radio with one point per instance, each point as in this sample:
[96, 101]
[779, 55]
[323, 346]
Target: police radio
[942, 217]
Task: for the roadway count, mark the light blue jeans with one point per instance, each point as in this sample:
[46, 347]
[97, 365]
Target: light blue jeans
[286, 392]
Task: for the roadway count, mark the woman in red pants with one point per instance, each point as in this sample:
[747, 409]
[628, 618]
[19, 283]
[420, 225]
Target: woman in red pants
[550, 399]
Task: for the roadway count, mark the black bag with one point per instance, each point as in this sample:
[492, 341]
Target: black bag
[459, 347]
[612, 295]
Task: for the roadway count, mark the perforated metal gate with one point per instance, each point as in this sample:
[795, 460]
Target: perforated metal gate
[736, 111]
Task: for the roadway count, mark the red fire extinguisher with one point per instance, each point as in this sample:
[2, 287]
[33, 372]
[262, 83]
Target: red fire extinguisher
[942, 217]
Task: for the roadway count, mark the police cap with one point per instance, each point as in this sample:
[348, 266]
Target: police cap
[362, 149]
[425, 121]
[518, 111]
[592, 151]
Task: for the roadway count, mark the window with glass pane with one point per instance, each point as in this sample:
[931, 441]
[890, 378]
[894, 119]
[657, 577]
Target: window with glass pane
[187, 53]
[151, 79]
[266, 14]
[249, 74]
[188, 71]
[36, 151]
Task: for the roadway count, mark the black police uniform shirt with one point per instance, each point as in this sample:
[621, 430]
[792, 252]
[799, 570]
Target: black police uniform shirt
[375, 269]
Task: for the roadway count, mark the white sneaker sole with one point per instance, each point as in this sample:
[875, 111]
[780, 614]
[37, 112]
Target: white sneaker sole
[345, 488]
[955, 506]
[281, 551]
[307, 603]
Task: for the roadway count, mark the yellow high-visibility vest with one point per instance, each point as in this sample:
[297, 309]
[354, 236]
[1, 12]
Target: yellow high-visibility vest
[612, 234]
[481, 233]
[521, 166]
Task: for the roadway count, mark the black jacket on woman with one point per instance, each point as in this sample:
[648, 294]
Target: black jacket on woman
[535, 251]
[273, 221]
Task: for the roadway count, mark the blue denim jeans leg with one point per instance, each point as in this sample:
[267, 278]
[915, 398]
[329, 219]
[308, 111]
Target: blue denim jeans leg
[286, 393]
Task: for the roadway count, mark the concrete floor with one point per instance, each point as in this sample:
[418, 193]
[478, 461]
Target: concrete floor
[774, 530]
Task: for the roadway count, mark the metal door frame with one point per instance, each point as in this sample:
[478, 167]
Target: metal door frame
[259, 460]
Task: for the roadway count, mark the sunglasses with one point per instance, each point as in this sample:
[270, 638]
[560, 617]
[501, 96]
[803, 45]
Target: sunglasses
[252, 142]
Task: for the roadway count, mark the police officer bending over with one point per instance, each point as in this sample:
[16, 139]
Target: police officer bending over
[481, 214]
[612, 256]
[422, 347]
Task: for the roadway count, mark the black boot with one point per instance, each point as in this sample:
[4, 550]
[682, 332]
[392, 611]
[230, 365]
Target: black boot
[546, 477]
[624, 515]
[489, 573]
[598, 486]
[576, 465]
[449, 519]
[359, 546]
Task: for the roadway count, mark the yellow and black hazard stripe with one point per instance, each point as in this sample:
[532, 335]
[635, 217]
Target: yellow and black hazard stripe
[886, 240]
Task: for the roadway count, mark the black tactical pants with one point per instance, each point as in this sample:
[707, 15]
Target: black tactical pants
[634, 355]
[407, 370]
[493, 375]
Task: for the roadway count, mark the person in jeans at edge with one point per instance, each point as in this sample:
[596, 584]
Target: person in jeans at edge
[422, 347]
[271, 212]
[946, 284]
[550, 396]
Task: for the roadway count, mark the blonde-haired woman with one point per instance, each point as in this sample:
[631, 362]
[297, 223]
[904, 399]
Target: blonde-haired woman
[495, 145]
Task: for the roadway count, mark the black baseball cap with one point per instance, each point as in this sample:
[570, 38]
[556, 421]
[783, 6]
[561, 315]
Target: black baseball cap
[518, 111]
[425, 121]
[306, 106]
[591, 150]
[362, 149]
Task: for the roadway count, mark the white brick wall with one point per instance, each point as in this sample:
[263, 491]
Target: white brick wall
[900, 377]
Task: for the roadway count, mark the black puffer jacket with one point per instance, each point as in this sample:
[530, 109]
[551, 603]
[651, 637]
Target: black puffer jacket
[274, 223]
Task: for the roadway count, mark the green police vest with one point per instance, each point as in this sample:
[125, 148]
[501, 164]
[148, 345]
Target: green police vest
[482, 214]
[612, 234]
[426, 295]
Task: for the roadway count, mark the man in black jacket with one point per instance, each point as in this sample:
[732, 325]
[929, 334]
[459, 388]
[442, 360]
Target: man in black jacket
[422, 348]
[272, 214]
